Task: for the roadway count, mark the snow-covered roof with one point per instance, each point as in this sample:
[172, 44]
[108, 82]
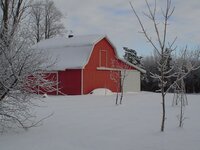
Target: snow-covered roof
[74, 52]
[134, 66]
[69, 53]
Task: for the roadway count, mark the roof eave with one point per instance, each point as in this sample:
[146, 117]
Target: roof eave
[136, 67]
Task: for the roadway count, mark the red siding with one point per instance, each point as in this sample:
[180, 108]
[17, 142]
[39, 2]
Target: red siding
[103, 58]
[93, 78]
[98, 79]
[70, 82]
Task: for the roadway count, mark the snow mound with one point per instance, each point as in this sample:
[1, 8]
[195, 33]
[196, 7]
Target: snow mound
[44, 95]
[101, 91]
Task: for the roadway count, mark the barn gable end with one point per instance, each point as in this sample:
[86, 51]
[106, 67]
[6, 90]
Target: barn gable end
[96, 73]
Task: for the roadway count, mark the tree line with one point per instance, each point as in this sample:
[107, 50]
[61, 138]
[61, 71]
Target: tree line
[148, 83]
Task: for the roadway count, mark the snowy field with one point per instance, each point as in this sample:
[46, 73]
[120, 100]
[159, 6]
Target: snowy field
[94, 122]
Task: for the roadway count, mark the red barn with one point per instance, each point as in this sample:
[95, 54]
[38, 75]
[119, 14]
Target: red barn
[84, 63]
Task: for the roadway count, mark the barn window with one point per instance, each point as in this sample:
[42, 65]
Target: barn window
[103, 58]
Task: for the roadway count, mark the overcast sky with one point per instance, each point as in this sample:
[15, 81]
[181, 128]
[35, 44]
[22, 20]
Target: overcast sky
[115, 19]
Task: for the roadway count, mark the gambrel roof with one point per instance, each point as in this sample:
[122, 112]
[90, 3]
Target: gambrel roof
[72, 53]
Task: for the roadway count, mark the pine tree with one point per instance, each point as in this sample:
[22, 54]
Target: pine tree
[132, 57]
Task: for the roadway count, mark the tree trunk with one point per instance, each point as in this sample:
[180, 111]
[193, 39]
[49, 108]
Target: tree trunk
[4, 30]
[116, 101]
[163, 93]
[122, 89]
[5, 14]
[122, 85]
[163, 113]
[181, 113]
[117, 96]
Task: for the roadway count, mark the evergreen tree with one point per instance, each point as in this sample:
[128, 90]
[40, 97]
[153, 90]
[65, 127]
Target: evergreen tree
[132, 57]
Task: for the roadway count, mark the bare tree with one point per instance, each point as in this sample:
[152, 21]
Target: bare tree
[118, 75]
[187, 62]
[20, 68]
[162, 47]
[46, 20]
[37, 20]
[53, 16]
[115, 77]
[159, 45]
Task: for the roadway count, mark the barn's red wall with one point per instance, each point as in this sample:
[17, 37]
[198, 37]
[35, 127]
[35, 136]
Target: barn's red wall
[93, 78]
[98, 79]
[70, 82]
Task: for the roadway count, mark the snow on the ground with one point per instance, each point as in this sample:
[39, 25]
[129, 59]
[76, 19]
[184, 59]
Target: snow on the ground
[95, 123]
[101, 91]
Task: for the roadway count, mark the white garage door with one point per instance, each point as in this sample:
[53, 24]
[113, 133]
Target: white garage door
[132, 81]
